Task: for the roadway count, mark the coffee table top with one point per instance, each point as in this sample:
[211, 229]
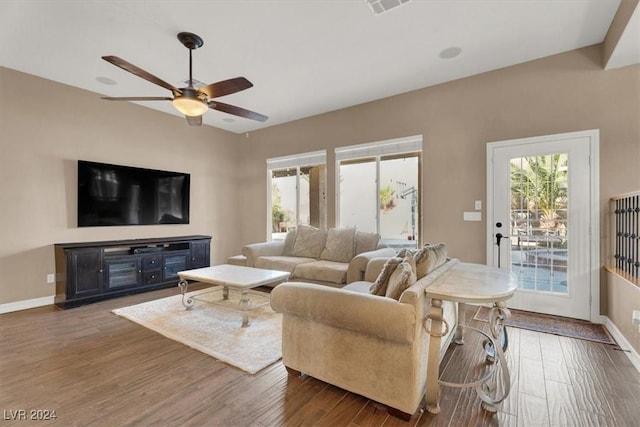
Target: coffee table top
[234, 276]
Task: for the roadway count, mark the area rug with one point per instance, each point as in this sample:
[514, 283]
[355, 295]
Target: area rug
[564, 326]
[214, 328]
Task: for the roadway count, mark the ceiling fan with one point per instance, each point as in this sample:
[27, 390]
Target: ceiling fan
[190, 101]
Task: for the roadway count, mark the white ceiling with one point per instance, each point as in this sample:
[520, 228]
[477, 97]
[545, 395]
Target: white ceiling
[304, 57]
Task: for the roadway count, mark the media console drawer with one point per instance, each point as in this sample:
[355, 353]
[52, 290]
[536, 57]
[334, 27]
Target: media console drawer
[151, 277]
[94, 271]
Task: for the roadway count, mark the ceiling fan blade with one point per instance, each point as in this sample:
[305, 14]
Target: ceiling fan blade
[137, 98]
[226, 87]
[194, 120]
[237, 111]
[119, 62]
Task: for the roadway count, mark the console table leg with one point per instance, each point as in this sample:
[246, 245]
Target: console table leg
[432, 396]
[187, 302]
[488, 391]
[458, 336]
[225, 292]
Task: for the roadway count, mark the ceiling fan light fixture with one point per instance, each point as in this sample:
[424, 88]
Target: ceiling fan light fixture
[190, 106]
[191, 101]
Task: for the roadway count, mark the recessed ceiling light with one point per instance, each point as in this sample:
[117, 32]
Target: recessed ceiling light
[106, 81]
[228, 120]
[450, 52]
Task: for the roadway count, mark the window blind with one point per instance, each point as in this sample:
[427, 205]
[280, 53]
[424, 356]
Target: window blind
[298, 160]
[409, 144]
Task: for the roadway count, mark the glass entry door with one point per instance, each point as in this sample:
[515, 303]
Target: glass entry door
[541, 216]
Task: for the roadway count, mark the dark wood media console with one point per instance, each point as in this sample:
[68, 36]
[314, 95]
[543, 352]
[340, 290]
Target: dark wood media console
[94, 271]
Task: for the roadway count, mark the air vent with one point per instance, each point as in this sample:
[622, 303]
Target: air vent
[380, 6]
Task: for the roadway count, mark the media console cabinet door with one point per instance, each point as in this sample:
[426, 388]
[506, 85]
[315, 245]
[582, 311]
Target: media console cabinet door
[123, 272]
[173, 262]
[200, 254]
[85, 267]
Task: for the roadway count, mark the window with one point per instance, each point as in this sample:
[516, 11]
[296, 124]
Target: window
[379, 189]
[296, 192]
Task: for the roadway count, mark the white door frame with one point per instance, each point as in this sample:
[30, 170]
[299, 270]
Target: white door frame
[594, 206]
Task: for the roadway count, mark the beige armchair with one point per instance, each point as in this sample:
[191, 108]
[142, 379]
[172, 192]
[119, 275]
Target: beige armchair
[370, 345]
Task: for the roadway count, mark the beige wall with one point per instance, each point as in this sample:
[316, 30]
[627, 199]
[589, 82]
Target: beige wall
[624, 297]
[562, 93]
[45, 127]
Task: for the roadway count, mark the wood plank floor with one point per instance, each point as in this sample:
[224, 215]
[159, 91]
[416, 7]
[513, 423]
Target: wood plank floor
[94, 368]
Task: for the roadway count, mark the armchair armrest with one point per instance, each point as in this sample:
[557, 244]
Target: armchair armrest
[366, 314]
[255, 250]
[374, 267]
[358, 264]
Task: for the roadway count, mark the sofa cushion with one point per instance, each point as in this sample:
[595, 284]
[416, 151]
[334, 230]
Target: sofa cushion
[402, 277]
[430, 257]
[340, 244]
[282, 263]
[379, 287]
[289, 241]
[323, 271]
[366, 242]
[309, 242]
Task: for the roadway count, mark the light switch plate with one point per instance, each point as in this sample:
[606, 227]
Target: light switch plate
[472, 216]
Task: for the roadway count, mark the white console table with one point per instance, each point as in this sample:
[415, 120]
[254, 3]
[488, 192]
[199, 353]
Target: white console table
[469, 284]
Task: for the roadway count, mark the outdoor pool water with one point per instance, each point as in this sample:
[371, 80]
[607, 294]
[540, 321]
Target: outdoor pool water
[535, 271]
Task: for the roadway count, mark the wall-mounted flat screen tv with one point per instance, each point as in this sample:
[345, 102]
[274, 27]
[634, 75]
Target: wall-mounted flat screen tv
[123, 195]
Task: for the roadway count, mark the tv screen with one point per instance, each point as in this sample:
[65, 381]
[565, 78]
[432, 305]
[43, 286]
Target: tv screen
[123, 195]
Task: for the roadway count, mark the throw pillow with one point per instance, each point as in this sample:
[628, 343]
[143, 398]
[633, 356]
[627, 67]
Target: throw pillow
[440, 252]
[430, 257]
[309, 242]
[407, 252]
[340, 244]
[366, 242]
[379, 287]
[289, 241]
[403, 276]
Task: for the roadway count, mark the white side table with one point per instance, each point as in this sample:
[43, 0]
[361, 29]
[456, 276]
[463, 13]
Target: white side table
[469, 283]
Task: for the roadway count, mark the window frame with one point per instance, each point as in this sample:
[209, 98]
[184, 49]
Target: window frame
[297, 162]
[378, 152]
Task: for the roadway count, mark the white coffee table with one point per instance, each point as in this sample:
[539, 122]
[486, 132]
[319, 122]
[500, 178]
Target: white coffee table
[230, 277]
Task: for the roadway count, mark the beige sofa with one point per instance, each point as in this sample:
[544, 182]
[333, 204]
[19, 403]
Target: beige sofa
[371, 345]
[331, 257]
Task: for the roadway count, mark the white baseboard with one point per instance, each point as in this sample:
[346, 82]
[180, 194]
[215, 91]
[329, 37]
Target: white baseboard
[26, 304]
[622, 342]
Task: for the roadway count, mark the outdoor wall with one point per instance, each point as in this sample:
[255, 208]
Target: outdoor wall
[45, 127]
